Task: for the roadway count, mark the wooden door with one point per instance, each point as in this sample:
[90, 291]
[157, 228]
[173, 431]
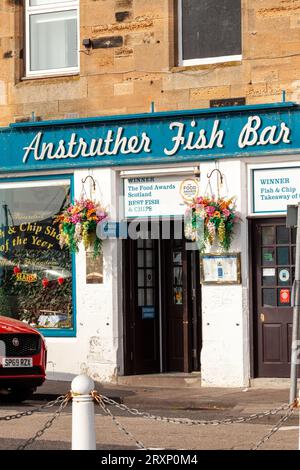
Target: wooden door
[177, 303]
[162, 306]
[273, 248]
[141, 306]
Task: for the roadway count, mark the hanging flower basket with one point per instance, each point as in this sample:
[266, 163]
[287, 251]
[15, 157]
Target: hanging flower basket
[209, 220]
[78, 223]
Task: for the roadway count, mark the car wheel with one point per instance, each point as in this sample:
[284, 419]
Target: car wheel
[19, 394]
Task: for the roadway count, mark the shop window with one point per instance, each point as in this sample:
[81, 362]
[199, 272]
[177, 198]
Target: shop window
[35, 273]
[209, 31]
[52, 38]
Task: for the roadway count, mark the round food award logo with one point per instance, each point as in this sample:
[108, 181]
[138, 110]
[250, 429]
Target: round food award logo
[189, 189]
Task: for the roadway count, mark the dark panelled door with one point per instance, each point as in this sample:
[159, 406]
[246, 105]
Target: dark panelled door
[274, 261]
[177, 291]
[176, 304]
[141, 299]
[161, 306]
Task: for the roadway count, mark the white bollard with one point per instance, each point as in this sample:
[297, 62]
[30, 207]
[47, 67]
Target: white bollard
[83, 418]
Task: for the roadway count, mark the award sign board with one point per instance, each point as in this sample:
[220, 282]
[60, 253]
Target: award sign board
[157, 196]
[221, 268]
[275, 190]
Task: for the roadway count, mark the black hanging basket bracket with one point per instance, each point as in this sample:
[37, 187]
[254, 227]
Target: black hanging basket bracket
[94, 182]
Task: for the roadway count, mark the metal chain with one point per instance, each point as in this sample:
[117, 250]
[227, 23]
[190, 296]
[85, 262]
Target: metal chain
[58, 400]
[98, 399]
[275, 428]
[48, 423]
[102, 401]
[189, 422]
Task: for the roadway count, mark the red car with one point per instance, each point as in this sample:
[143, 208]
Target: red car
[23, 357]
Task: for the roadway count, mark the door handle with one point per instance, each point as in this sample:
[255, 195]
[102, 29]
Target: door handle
[262, 317]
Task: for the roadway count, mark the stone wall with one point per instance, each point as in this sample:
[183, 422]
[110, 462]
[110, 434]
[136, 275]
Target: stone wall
[134, 62]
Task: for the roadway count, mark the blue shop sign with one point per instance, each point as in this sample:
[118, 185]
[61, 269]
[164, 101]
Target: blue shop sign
[109, 229]
[168, 137]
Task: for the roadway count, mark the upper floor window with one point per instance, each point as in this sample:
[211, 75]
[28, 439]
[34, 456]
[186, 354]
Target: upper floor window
[52, 37]
[209, 31]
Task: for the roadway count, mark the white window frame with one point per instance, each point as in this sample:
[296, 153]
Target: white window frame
[205, 60]
[50, 8]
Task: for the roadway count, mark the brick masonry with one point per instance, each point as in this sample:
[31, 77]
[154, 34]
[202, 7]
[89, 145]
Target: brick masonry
[133, 62]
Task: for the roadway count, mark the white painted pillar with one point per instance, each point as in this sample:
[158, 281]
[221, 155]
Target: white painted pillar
[83, 418]
[299, 420]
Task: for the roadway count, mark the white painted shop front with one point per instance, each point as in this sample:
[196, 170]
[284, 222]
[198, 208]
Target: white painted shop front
[236, 329]
[226, 311]
[98, 346]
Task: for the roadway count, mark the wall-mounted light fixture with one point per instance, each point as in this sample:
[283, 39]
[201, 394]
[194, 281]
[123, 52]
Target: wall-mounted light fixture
[197, 172]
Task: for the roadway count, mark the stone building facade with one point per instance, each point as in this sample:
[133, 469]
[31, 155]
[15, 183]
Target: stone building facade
[113, 115]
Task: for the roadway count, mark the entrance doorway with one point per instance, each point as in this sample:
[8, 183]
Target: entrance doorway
[161, 291]
[273, 248]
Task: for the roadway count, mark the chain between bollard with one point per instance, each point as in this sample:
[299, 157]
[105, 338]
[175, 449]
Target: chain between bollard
[190, 422]
[278, 425]
[104, 401]
[99, 399]
[34, 410]
[63, 403]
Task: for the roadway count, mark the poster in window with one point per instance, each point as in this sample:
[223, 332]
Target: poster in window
[35, 273]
